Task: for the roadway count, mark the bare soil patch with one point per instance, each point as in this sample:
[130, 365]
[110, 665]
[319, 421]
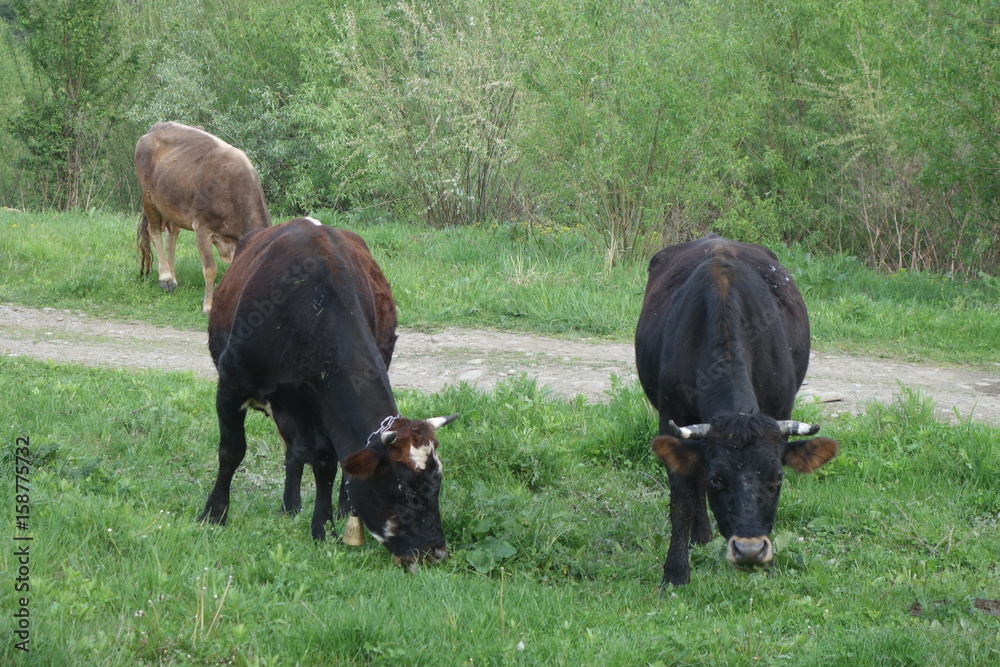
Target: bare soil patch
[429, 362]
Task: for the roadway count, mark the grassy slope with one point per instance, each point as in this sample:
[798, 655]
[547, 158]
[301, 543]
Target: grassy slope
[122, 462]
[505, 277]
[908, 513]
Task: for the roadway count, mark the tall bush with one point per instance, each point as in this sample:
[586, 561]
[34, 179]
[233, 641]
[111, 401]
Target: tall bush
[863, 127]
[642, 115]
[15, 191]
[77, 81]
[883, 118]
[950, 59]
[436, 93]
[251, 73]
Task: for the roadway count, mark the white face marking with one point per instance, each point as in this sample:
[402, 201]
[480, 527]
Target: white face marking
[420, 455]
[388, 530]
[314, 221]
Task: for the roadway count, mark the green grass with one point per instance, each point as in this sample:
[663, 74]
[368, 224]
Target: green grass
[555, 512]
[505, 276]
[556, 517]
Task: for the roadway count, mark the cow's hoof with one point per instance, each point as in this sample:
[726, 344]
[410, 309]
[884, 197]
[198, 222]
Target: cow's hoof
[211, 516]
[671, 578]
[168, 285]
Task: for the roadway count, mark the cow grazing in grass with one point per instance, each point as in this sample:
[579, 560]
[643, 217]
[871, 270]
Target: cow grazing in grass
[303, 328]
[721, 347]
[190, 179]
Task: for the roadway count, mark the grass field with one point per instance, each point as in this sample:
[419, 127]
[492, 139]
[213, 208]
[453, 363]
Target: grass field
[556, 517]
[554, 510]
[505, 277]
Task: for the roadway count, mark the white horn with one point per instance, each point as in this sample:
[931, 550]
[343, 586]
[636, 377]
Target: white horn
[688, 432]
[789, 427]
[388, 437]
[438, 422]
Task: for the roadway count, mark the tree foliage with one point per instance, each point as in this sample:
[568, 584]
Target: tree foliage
[436, 90]
[863, 127]
[74, 94]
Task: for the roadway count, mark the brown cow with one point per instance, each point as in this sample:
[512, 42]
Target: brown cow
[193, 180]
[303, 330]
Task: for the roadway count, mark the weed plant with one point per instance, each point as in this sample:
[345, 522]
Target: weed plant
[556, 517]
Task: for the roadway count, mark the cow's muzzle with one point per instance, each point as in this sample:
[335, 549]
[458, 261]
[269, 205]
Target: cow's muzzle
[429, 557]
[746, 551]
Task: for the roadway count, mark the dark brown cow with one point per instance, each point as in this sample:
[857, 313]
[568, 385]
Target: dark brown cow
[721, 347]
[193, 180]
[302, 329]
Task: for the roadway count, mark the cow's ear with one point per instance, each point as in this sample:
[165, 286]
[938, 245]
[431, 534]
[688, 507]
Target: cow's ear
[361, 464]
[680, 456]
[807, 455]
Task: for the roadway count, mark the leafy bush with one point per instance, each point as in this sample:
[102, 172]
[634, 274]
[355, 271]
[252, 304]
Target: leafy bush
[435, 89]
[80, 88]
[866, 129]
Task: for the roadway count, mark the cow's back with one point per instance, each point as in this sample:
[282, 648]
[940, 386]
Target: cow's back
[686, 349]
[301, 293]
[193, 177]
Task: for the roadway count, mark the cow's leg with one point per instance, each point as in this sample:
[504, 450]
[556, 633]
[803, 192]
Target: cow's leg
[292, 502]
[701, 530]
[677, 568]
[164, 256]
[324, 470]
[232, 449]
[344, 501]
[168, 273]
[204, 240]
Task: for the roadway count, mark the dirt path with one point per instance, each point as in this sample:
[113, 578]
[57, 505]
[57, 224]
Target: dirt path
[480, 357]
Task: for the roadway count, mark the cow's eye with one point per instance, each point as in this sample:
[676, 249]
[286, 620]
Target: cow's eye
[775, 483]
[717, 482]
[413, 501]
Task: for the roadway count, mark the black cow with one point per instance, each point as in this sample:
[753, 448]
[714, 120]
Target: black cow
[721, 347]
[302, 327]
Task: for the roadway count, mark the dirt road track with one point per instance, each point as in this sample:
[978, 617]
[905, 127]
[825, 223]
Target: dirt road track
[428, 362]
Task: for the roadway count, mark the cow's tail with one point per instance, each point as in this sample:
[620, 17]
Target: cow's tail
[142, 245]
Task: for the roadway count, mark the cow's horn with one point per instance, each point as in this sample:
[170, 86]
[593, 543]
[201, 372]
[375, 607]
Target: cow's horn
[789, 427]
[388, 437]
[688, 432]
[438, 422]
